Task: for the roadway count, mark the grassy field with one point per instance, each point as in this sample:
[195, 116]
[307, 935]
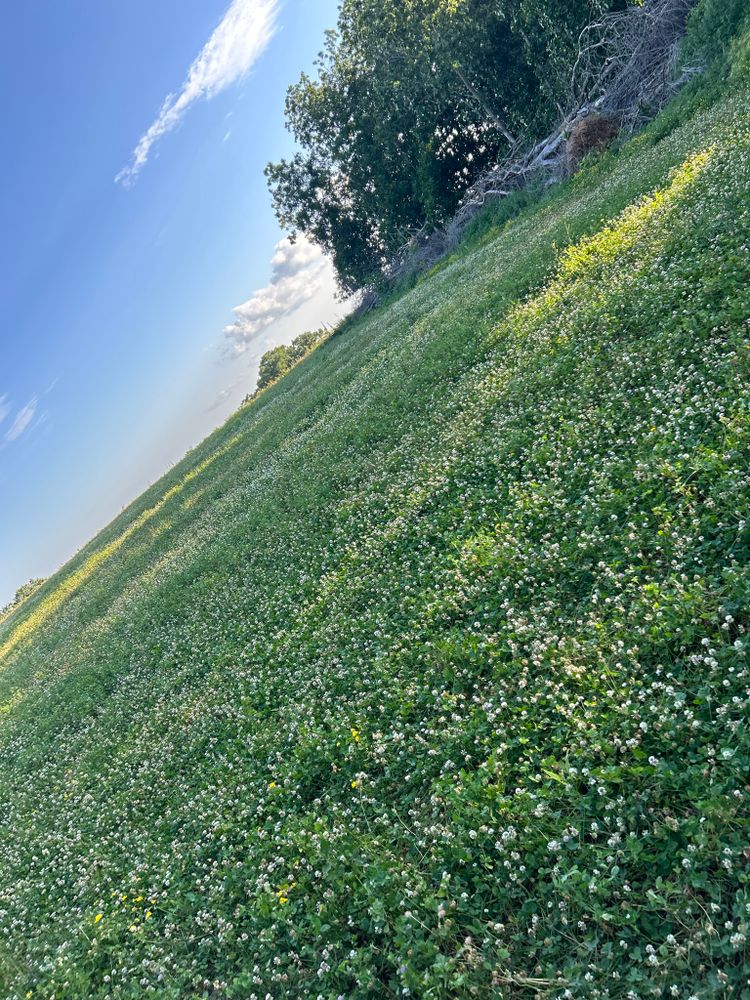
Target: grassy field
[425, 675]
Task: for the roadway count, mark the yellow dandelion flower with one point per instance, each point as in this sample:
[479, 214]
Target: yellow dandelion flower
[282, 894]
[98, 917]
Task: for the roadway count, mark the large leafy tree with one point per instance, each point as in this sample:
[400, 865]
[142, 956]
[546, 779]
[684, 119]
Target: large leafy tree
[412, 99]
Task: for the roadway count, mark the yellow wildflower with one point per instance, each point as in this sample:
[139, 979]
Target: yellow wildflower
[282, 893]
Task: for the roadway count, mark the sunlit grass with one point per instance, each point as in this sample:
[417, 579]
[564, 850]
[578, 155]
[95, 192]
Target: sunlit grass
[71, 583]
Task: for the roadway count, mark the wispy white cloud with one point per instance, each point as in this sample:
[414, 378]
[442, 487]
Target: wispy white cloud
[231, 52]
[4, 407]
[22, 420]
[298, 271]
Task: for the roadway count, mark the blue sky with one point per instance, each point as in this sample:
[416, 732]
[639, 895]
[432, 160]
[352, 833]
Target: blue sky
[136, 219]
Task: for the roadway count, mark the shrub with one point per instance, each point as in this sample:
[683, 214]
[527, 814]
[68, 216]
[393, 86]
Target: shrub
[714, 28]
[594, 132]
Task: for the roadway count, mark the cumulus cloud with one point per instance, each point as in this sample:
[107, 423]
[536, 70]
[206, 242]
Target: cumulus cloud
[22, 420]
[233, 49]
[298, 272]
[4, 407]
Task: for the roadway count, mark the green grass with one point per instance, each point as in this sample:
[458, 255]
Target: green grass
[425, 675]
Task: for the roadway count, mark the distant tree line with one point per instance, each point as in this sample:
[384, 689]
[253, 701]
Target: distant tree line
[21, 594]
[279, 360]
[412, 100]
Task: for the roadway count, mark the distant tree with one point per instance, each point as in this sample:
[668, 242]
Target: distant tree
[279, 360]
[273, 365]
[22, 593]
[413, 98]
[305, 342]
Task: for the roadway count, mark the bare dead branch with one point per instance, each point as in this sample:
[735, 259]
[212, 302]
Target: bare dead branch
[626, 71]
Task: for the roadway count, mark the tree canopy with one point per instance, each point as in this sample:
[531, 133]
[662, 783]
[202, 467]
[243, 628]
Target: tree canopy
[412, 100]
[279, 360]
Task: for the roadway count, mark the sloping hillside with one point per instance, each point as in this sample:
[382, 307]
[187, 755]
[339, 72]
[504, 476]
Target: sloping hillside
[425, 675]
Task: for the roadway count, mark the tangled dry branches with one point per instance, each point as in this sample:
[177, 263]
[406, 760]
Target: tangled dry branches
[626, 71]
[627, 62]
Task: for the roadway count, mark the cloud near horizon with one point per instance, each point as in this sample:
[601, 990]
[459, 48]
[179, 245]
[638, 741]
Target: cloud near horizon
[298, 272]
[230, 53]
